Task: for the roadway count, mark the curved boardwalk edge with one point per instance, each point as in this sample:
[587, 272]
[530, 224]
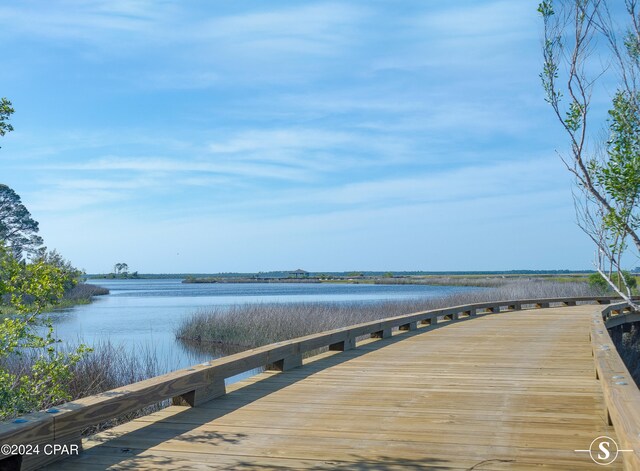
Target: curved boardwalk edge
[198, 385]
[621, 395]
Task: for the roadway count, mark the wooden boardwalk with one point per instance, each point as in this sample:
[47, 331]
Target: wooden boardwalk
[509, 391]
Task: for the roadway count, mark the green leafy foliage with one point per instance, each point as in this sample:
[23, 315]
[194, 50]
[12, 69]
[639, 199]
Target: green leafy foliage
[597, 281]
[18, 230]
[609, 181]
[121, 268]
[549, 72]
[574, 116]
[6, 111]
[31, 287]
[619, 175]
[545, 8]
[632, 46]
[68, 271]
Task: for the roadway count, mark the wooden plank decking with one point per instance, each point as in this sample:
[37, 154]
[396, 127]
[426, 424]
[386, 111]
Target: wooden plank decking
[512, 391]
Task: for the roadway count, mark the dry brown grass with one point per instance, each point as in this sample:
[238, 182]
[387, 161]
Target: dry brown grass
[107, 367]
[252, 325]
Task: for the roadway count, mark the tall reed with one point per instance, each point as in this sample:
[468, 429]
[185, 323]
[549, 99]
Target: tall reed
[84, 291]
[252, 325]
[108, 366]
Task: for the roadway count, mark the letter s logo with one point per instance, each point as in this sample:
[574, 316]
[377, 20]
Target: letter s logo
[603, 450]
[604, 456]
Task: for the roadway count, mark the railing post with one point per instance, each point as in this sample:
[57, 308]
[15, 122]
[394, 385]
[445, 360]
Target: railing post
[36, 428]
[287, 363]
[381, 334]
[344, 345]
[214, 388]
[409, 326]
[430, 321]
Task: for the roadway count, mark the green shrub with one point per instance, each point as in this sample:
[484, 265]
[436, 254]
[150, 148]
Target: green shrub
[31, 287]
[597, 281]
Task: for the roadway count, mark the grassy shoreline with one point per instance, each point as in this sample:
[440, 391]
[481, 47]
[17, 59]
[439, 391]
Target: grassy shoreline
[253, 325]
[472, 280]
[82, 293]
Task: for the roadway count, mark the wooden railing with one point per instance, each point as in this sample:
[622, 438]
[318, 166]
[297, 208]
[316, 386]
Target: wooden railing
[64, 424]
[621, 395]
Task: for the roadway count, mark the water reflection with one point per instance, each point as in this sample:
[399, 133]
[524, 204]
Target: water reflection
[144, 314]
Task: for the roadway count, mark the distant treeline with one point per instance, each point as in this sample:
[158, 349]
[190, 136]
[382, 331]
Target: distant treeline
[221, 279]
[342, 274]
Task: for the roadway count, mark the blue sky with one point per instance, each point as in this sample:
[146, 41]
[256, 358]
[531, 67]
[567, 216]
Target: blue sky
[203, 136]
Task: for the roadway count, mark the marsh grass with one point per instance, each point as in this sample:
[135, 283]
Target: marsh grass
[432, 280]
[253, 325]
[82, 293]
[107, 367]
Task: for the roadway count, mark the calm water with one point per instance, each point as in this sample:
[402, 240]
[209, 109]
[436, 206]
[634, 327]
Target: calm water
[143, 314]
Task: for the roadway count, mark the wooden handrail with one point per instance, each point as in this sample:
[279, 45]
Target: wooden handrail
[204, 382]
[621, 396]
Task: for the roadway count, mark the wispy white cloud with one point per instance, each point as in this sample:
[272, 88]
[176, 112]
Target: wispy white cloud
[397, 114]
[101, 184]
[481, 38]
[287, 153]
[462, 184]
[175, 165]
[320, 28]
[169, 46]
[493, 18]
[259, 140]
[178, 80]
[88, 21]
[247, 197]
[59, 200]
[322, 150]
[322, 126]
[209, 181]
[70, 194]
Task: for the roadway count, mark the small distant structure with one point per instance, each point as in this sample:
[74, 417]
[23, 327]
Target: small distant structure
[299, 273]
